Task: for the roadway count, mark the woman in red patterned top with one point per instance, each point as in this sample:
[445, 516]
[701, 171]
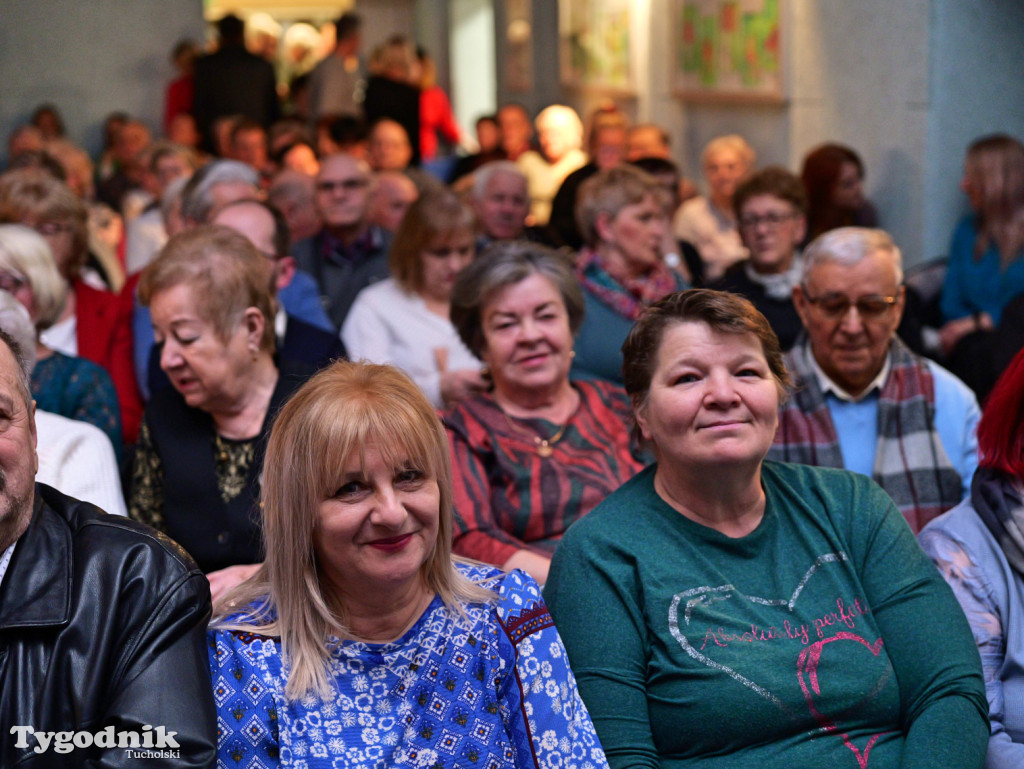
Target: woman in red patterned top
[538, 451]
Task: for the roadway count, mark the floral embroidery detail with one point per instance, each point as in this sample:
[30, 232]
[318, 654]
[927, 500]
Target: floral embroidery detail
[441, 696]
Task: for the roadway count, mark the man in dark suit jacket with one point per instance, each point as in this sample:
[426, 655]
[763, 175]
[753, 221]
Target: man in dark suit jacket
[232, 81]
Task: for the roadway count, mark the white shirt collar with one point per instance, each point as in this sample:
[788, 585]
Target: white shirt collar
[827, 385]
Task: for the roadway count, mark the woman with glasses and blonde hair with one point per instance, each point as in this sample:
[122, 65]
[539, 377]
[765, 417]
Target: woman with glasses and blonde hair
[362, 641]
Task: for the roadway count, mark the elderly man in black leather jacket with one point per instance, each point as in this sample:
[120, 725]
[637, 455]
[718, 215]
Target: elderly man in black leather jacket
[102, 623]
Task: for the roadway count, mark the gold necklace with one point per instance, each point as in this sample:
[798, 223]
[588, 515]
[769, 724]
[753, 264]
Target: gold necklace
[545, 446]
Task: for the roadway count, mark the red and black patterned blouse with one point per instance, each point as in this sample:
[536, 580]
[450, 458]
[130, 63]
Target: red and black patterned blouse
[509, 496]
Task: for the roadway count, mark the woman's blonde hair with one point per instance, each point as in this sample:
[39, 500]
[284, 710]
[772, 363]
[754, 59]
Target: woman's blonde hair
[729, 143]
[225, 272]
[332, 418]
[608, 192]
[26, 252]
[434, 215]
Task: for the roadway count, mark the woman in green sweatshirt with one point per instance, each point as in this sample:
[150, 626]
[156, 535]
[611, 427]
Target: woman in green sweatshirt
[720, 610]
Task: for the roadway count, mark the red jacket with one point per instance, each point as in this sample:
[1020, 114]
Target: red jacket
[105, 337]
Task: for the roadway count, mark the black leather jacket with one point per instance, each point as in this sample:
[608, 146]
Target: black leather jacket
[102, 622]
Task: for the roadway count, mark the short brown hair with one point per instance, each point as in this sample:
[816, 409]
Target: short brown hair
[608, 192]
[226, 273]
[435, 214]
[723, 311]
[31, 192]
[775, 181]
[506, 263]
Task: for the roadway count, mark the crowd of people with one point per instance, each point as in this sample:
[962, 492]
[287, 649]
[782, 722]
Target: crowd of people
[517, 452]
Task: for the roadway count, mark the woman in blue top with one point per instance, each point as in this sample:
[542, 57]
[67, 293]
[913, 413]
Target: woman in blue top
[361, 641]
[986, 268]
[979, 548]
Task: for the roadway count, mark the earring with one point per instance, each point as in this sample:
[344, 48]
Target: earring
[572, 354]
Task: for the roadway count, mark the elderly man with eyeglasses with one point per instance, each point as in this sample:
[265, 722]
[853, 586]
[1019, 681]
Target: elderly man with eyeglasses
[349, 253]
[862, 400]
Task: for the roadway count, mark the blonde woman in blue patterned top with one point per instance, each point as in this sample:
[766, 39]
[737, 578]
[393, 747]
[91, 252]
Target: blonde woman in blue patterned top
[361, 641]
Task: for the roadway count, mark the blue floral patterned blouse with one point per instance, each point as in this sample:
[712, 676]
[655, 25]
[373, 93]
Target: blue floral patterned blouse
[492, 692]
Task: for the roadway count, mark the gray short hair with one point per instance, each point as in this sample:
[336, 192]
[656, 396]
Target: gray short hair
[12, 328]
[483, 175]
[294, 187]
[848, 246]
[172, 197]
[16, 323]
[196, 200]
[506, 263]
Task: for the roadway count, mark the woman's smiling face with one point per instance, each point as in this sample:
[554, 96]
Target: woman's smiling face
[527, 340]
[712, 401]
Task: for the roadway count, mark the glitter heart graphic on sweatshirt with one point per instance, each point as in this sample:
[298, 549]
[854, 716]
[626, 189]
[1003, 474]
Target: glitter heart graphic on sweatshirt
[807, 671]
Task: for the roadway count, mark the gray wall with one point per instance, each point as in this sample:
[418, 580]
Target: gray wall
[976, 87]
[859, 76]
[90, 58]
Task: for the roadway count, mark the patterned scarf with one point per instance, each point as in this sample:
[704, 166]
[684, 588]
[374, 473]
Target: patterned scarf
[626, 295]
[998, 499]
[910, 462]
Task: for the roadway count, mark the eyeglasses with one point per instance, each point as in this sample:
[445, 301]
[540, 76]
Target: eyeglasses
[773, 219]
[12, 283]
[50, 229]
[836, 306]
[345, 185]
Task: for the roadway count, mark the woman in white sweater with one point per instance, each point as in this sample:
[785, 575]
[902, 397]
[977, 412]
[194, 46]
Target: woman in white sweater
[403, 321]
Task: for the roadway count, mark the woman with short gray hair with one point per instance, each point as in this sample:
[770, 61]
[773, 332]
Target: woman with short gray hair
[538, 451]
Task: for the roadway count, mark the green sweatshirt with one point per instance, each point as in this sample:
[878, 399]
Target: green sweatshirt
[824, 638]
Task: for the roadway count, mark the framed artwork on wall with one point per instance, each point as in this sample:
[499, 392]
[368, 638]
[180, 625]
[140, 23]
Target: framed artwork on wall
[728, 51]
[596, 45]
